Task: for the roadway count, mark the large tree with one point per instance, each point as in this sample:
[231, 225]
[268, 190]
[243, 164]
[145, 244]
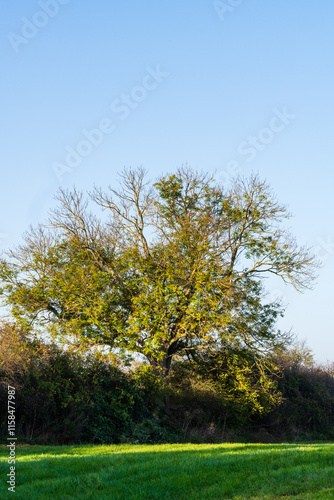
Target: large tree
[175, 270]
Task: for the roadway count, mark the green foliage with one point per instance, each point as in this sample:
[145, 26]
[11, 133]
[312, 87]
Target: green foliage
[223, 393]
[151, 382]
[307, 409]
[115, 406]
[65, 396]
[68, 396]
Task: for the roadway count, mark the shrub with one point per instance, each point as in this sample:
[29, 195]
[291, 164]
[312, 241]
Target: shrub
[307, 409]
[65, 396]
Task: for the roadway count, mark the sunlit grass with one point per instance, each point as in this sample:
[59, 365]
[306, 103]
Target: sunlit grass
[173, 471]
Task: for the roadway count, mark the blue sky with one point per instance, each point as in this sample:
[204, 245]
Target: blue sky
[228, 87]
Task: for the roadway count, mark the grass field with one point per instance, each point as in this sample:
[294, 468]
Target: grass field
[172, 471]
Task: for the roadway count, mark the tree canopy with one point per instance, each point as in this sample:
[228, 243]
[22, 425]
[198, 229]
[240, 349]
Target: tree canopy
[175, 270]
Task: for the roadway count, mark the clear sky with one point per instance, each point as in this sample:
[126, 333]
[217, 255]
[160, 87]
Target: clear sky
[88, 87]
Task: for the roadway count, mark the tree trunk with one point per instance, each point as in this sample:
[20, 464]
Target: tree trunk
[164, 364]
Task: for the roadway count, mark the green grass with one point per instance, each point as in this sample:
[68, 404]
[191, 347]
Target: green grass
[172, 471]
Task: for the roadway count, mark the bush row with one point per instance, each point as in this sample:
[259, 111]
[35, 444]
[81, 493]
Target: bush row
[65, 396]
